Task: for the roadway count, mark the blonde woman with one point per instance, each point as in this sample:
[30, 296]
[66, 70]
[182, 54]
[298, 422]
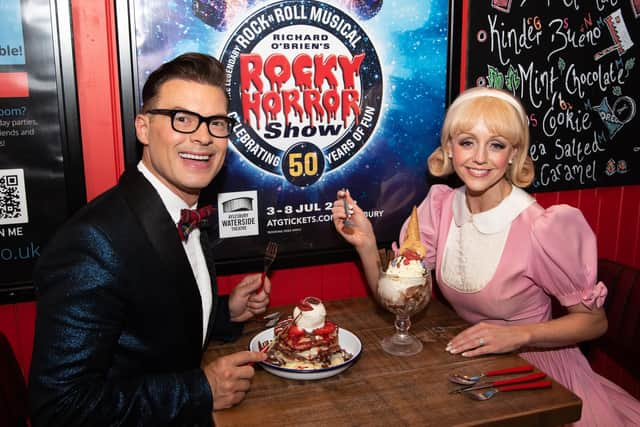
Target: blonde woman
[500, 258]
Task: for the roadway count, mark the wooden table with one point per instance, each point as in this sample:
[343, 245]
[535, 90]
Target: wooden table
[385, 390]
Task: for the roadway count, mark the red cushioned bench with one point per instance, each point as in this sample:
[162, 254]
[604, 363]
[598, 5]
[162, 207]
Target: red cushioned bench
[13, 390]
[616, 355]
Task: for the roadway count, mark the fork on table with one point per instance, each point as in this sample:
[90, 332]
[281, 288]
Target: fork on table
[269, 256]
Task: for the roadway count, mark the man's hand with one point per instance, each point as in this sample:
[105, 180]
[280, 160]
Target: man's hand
[244, 302]
[230, 377]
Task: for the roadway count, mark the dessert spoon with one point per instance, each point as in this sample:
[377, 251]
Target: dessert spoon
[347, 221]
[472, 379]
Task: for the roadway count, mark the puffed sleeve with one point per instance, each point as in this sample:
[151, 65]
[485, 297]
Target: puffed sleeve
[429, 217]
[566, 257]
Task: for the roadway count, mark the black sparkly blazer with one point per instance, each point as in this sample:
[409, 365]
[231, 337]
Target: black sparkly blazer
[118, 337]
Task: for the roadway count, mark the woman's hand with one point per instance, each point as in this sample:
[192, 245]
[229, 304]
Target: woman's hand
[579, 324]
[486, 338]
[244, 302]
[360, 232]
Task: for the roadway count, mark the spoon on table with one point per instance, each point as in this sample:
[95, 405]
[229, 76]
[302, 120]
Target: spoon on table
[472, 379]
[488, 393]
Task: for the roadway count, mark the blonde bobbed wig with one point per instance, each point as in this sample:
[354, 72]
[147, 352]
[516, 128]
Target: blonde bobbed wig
[503, 114]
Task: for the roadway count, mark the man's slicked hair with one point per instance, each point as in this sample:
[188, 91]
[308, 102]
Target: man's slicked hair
[192, 66]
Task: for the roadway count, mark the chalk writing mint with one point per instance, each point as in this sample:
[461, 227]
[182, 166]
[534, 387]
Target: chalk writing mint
[13, 200]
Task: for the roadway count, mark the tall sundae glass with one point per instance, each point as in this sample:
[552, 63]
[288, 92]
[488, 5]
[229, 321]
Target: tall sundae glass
[404, 288]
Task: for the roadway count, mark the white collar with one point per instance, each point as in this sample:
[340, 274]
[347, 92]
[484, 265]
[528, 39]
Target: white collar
[496, 219]
[171, 201]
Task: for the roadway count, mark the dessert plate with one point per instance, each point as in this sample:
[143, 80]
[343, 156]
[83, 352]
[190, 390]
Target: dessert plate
[348, 341]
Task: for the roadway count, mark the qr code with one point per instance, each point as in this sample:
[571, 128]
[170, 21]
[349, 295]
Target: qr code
[13, 197]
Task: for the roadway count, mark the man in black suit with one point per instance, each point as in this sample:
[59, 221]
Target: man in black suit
[125, 305]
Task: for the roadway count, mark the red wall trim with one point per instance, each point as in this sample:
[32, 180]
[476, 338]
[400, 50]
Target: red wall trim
[98, 97]
[14, 85]
[463, 43]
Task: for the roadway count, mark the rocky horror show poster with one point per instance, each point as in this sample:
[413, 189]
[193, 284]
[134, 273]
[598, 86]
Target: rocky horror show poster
[328, 95]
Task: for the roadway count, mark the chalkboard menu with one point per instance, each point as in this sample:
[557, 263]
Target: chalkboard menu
[574, 65]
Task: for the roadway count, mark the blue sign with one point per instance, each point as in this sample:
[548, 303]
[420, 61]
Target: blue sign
[11, 38]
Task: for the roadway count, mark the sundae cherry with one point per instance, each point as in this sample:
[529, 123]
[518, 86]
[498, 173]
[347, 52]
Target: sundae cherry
[305, 304]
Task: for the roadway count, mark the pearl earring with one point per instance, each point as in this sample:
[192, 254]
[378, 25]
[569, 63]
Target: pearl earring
[450, 155]
[510, 161]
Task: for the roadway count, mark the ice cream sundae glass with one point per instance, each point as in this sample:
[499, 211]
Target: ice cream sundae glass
[404, 288]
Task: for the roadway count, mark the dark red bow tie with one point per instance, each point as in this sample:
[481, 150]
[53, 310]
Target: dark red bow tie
[190, 219]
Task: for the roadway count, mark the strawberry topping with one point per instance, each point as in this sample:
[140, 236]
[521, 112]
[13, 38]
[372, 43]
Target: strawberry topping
[328, 328]
[411, 256]
[294, 331]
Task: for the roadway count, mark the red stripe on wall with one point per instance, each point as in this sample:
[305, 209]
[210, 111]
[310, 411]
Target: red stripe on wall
[463, 45]
[14, 85]
[97, 77]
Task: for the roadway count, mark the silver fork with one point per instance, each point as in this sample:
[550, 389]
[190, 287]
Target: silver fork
[269, 256]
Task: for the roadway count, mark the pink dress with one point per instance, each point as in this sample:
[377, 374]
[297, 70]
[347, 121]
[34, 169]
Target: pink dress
[547, 253]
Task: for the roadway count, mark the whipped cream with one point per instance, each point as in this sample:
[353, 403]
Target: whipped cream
[403, 267]
[310, 319]
[402, 273]
[392, 288]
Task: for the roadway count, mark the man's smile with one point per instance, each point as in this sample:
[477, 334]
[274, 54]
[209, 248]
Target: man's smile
[199, 157]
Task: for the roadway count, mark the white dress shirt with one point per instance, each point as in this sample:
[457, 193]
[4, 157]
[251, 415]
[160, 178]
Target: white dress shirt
[192, 246]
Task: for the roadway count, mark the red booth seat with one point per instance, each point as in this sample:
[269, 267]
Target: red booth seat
[13, 389]
[616, 355]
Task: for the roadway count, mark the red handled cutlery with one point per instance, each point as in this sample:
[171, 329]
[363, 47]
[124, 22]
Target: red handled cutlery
[472, 379]
[517, 380]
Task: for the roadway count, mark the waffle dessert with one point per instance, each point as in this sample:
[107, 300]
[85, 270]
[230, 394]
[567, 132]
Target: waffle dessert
[307, 340]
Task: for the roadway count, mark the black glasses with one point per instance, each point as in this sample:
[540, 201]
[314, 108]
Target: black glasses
[185, 121]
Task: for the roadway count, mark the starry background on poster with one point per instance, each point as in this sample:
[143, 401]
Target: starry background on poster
[388, 175]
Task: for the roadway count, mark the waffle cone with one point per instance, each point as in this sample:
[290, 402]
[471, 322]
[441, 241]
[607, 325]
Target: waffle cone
[412, 238]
